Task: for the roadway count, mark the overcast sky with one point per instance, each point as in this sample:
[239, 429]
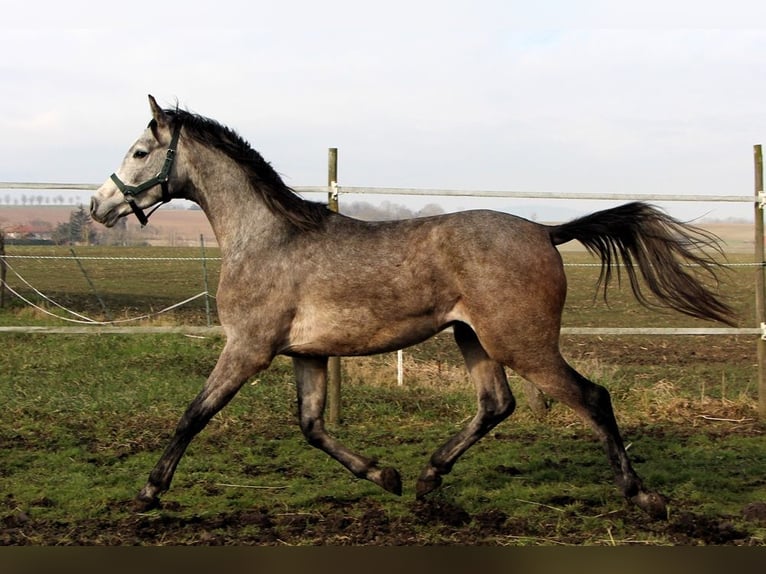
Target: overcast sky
[495, 95]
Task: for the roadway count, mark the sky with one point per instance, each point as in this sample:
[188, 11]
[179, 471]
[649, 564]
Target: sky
[547, 96]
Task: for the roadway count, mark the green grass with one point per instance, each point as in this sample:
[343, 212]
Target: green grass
[86, 417]
[154, 279]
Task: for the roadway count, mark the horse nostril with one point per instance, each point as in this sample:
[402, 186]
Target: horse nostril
[93, 205]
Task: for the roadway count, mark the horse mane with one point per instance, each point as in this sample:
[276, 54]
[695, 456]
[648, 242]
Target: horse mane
[279, 198]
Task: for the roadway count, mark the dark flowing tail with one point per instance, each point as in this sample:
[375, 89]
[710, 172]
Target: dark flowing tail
[669, 254]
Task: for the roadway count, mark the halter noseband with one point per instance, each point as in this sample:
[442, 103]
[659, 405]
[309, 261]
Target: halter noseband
[132, 191]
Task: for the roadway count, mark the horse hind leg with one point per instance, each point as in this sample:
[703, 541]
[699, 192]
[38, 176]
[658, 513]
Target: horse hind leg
[311, 379]
[592, 403]
[495, 404]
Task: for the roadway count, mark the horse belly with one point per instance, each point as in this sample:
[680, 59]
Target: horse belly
[357, 331]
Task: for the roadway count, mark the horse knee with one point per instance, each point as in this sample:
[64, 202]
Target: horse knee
[507, 406]
[496, 409]
[598, 401]
[313, 431]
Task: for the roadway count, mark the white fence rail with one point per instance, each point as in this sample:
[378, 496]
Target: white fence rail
[336, 191]
[500, 194]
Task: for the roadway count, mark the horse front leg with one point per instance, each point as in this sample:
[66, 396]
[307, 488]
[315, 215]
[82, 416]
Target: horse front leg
[311, 379]
[230, 373]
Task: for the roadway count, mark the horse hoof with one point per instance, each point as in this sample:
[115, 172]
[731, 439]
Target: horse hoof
[390, 480]
[653, 503]
[145, 503]
[426, 485]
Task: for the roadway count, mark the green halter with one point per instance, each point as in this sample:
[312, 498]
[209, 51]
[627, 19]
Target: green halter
[132, 191]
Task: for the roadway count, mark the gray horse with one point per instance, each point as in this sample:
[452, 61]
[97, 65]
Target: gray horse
[302, 281]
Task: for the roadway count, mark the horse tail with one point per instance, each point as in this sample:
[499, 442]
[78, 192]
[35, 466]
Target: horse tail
[662, 248]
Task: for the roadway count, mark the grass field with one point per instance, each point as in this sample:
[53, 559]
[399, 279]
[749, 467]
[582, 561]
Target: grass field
[85, 418]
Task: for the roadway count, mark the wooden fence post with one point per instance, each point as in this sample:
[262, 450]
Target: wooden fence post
[760, 280]
[333, 366]
[205, 281]
[3, 269]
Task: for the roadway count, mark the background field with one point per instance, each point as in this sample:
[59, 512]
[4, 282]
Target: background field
[85, 418]
[183, 227]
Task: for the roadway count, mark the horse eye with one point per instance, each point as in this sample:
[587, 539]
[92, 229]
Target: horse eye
[138, 154]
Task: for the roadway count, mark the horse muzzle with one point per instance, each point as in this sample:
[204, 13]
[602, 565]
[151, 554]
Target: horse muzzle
[107, 208]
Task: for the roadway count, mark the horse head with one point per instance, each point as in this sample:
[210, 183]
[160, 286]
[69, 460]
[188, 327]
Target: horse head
[144, 178]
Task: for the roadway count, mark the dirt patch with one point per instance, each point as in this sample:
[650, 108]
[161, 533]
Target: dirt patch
[343, 522]
[440, 512]
[659, 351]
[755, 512]
[690, 528]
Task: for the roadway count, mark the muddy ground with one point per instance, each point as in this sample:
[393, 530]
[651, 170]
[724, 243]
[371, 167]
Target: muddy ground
[444, 522]
[363, 521]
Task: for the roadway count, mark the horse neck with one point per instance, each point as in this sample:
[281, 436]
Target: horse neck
[237, 213]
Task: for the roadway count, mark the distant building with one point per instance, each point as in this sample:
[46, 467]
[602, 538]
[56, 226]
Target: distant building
[34, 231]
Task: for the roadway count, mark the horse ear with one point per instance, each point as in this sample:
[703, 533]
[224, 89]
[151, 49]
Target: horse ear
[157, 112]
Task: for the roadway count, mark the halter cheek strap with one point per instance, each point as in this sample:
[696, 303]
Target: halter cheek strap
[130, 192]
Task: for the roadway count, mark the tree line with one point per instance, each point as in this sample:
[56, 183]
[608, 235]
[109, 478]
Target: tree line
[80, 228]
[387, 211]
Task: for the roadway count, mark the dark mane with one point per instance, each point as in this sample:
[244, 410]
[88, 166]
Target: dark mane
[278, 197]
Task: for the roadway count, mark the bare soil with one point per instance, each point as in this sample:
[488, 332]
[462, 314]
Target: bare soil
[333, 526]
[357, 521]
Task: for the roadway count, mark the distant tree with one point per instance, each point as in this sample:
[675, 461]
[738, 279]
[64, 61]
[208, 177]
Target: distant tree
[395, 211]
[82, 226]
[79, 229]
[60, 235]
[116, 235]
[430, 209]
[385, 211]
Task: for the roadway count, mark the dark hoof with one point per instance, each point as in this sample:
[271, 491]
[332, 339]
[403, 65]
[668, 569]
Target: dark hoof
[653, 503]
[144, 503]
[390, 480]
[426, 485]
